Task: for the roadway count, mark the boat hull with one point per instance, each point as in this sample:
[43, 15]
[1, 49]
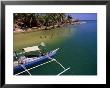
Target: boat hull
[37, 61]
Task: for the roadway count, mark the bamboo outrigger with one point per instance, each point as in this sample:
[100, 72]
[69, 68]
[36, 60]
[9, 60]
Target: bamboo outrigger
[23, 62]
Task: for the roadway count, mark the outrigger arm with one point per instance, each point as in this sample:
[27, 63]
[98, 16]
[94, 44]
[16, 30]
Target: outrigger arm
[51, 59]
[65, 69]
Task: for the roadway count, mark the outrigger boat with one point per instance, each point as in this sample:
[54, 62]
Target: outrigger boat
[24, 62]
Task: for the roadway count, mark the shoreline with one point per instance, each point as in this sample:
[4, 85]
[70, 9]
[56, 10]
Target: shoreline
[34, 29]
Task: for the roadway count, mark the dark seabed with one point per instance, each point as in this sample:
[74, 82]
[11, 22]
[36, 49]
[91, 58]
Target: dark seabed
[78, 50]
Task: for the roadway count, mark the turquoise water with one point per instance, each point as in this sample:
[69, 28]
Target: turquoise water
[78, 50]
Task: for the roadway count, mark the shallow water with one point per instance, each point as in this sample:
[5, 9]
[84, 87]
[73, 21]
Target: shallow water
[78, 49]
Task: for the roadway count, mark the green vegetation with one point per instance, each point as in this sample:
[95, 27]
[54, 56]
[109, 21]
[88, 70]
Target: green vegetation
[45, 21]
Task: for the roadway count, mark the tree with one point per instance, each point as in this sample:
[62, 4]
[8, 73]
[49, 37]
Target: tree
[69, 19]
[28, 20]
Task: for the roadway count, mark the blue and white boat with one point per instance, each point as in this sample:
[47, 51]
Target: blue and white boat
[26, 62]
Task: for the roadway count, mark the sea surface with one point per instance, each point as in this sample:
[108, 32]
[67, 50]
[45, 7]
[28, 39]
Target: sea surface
[77, 49]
